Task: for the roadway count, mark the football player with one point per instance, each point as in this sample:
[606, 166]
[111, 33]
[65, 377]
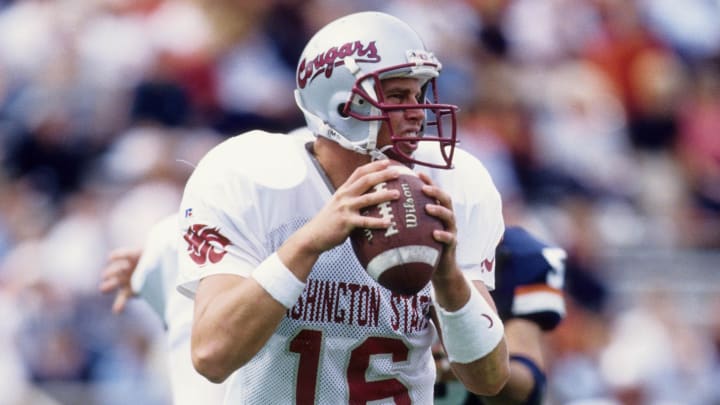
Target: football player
[282, 308]
[528, 293]
[149, 273]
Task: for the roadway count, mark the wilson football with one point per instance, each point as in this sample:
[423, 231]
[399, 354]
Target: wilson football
[404, 256]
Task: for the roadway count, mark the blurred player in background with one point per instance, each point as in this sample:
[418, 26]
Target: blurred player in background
[282, 306]
[528, 293]
[149, 273]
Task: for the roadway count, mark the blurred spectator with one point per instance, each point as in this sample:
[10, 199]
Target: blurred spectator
[656, 81]
[480, 128]
[450, 32]
[579, 136]
[48, 152]
[620, 40]
[655, 356]
[690, 27]
[698, 153]
[574, 376]
[162, 101]
[254, 84]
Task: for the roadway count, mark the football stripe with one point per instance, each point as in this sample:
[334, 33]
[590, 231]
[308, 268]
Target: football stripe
[402, 255]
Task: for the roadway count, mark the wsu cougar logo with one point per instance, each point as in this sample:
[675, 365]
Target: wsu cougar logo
[205, 244]
[326, 61]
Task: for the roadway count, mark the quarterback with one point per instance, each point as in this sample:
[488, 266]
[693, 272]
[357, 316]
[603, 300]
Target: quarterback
[283, 310]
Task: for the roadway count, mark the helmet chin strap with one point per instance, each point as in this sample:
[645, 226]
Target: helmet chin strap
[379, 154]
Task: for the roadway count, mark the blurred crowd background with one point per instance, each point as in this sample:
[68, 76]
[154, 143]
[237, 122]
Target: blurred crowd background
[598, 119]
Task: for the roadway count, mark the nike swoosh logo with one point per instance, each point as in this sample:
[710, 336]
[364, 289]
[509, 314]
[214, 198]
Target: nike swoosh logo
[489, 320]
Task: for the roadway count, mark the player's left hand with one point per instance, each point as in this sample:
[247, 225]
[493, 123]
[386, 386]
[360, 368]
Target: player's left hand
[448, 236]
[117, 274]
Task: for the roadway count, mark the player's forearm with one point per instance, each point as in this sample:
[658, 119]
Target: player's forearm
[523, 339]
[232, 326]
[487, 375]
[472, 335]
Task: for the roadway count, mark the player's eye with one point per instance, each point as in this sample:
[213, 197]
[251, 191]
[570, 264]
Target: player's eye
[395, 98]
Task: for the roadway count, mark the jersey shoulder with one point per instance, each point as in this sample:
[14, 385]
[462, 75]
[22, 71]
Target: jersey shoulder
[272, 160]
[468, 177]
[471, 169]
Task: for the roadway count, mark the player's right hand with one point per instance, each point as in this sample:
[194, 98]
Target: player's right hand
[117, 274]
[341, 214]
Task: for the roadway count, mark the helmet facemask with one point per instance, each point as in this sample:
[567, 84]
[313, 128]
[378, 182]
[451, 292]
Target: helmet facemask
[367, 103]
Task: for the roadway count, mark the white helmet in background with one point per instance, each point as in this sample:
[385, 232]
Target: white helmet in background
[339, 92]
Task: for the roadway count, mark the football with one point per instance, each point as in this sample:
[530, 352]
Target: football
[403, 257]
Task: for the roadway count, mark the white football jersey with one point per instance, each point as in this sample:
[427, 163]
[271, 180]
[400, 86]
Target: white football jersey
[347, 339]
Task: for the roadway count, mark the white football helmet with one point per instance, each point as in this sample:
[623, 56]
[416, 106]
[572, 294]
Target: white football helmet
[339, 92]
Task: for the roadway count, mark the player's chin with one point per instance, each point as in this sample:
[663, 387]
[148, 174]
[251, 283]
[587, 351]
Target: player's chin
[408, 147]
[401, 156]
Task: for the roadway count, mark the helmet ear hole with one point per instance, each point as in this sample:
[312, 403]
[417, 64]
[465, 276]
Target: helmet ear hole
[341, 110]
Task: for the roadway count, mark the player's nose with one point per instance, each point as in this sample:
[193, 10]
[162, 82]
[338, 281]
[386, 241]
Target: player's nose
[415, 114]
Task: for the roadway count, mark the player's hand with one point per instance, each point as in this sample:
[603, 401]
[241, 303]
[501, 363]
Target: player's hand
[448, 236]
[529, 279]
[117, 274]
[341, 214]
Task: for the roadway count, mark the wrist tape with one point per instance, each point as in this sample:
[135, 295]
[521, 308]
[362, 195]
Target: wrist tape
[472, 331]
[278, 281]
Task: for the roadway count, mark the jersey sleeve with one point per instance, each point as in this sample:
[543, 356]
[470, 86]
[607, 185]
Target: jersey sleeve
[480, 219]
[219, 221]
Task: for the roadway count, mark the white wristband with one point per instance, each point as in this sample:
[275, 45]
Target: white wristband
[278, 281]
[472, 331]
